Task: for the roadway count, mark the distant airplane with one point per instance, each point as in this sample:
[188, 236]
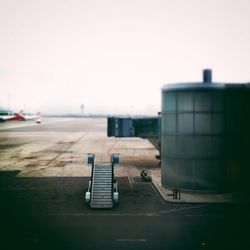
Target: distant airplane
[9, 116]
[27, 116]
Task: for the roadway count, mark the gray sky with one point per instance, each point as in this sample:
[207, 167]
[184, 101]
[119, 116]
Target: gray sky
[114, 56]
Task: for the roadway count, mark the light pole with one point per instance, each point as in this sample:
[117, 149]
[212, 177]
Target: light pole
[9, 102]
[82, 109]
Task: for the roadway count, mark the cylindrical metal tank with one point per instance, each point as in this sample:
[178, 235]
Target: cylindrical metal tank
[205, 136]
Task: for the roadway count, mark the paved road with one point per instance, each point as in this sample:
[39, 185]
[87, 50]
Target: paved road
[49, 213]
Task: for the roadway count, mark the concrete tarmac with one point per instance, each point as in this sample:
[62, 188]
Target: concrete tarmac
[59, 147]
[43, 178]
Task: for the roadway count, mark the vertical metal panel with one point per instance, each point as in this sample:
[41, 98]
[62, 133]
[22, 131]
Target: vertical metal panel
[186, 123]
[206, 138]
[207, 172]
[168, 123]
[218, 101]
[203, 101]
[169, 102]
[202, 123]
[119, 127]
[185, 101]
[111, 127]
[192, 139]
[217, 123]
[124, 127]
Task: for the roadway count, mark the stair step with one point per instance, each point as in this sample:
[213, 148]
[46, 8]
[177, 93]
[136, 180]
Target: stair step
[101, 190]
[101, 202]
[103, 169]
[108, 202]
[101, 183]
[102, 196]
[102, 178]
[102, 174]
[102, 206]
[101, 186]
[105, 201]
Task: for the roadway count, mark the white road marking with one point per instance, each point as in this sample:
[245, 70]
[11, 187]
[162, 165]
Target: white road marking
[131, 240]
[158, 194]
[130, 182]
[194, 215]
[180, 209]
[155, 214]
[97, 214]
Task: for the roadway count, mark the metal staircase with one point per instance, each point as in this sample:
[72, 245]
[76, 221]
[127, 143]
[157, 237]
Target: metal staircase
[103, 188]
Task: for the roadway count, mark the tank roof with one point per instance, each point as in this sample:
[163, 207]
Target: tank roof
[205, 84]
[202, 85]
[191, 85]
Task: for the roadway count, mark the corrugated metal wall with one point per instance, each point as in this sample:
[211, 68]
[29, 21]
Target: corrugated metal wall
[202, 146]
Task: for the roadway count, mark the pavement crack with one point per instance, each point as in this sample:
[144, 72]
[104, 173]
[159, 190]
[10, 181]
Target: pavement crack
[65, 149]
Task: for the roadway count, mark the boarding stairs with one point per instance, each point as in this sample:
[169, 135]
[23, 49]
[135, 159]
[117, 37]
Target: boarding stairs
[103, 188]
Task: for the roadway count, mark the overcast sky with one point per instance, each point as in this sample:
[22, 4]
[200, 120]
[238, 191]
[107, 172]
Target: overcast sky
[114, 56]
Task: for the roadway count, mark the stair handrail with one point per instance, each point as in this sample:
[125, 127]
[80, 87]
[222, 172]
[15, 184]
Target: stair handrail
[91, 161]
[115, 160]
